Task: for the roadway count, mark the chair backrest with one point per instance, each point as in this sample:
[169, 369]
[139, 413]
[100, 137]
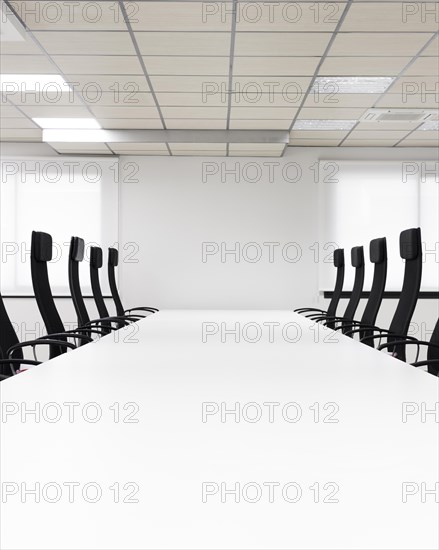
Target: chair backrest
[76, 255]
[377, 256]
[339, 264]
[113, 261]
[95, 266]
[357, 261]
[410, 250]
[8, 338]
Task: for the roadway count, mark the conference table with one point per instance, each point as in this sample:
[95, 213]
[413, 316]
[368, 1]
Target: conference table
[220, 430]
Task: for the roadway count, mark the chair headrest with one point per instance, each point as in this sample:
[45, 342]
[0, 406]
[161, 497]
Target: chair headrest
[113, 257]
[410, 244]
[41, 247]
[378, 250]
[77, 249]
[339, 257]
[96, 257]
[357, 256]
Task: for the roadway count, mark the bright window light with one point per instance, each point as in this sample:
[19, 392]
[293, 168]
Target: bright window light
[430, 125]
[66, 123]
[324, 124]
[352, 85]
[33, 83]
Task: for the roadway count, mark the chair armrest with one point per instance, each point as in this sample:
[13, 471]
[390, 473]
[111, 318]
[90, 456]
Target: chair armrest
[407, 341]
[16, 362]
[362, 327]
[428, 363]
[67, 334]
[142, 308]
[305, 309]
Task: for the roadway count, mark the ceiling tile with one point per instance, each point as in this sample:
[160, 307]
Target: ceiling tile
[288, 99]
[193, 84]
[340, 100]
[387, 16]
[423, 66]
[183, 16]
[131, 123]
[272, 113]
[26, 46]
[314, 142]
[99, 64]
[124, 85]
[7, 111]
[363, 66]
[274, 66]
[8, 134]
[83, 43]
[379, 126]
[176, 99]
[381, 44]
[59, 15]
[378, 134]
[189, 65]
[56, 111]
[424, 135]
[81, 148]
[419, 143]
[185, 44]
[263, 124]
[195, 124]
[195, 112]
[289, 86]
[277, 44]
[288, 16]
[331, 113]
[369, 142]
[333, 135]
[417, 99]
[432, 49]
[147, 147]
[256, 149]
[124, 112]
[17, 123]
[197, 146]
[30, 64]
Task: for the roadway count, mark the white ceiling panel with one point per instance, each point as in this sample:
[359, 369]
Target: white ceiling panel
[275, 66]
[17, 123]
[261, 124]
[379, 44]
[130, 123]
[186, 16]
[363, 66]
[84, 43]
[196, 123]
[124, 112]
[314, 142]
[99, 64]
[8, 134]
[423, 66]
[30, 64]
[187, 65]
[262, 112]
[55, 111]
[184, 43]
[281, 44]
[58, 15]
[81, 148]
[195, 112]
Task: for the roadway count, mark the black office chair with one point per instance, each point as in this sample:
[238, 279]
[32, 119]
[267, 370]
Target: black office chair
[11, 354]
[113, 261]
[357, 261]
[377, 256]
[410, 249]
[76, 255]
[41, 253]
[95, 265]
[336, 295]
[432, 361]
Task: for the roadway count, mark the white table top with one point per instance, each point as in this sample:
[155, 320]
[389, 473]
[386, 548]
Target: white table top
[171, 459]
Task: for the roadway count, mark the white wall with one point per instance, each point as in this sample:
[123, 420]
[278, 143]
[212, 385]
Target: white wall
[170, 212]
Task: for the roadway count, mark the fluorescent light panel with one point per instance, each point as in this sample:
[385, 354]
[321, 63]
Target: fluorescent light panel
[33, 83]
[67, 123]
[431, 125]
[352, 85]
[324, 124]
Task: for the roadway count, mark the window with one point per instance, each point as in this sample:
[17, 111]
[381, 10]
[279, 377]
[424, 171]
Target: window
[364, 200]
[73, 196]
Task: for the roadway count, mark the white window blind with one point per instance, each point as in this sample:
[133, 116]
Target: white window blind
[69, 197]
[365, 200]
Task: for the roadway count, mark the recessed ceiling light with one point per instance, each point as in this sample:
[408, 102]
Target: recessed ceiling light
[66, 123]
[430, 125]
[13, 83]
[352, 85]
[324, 124]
